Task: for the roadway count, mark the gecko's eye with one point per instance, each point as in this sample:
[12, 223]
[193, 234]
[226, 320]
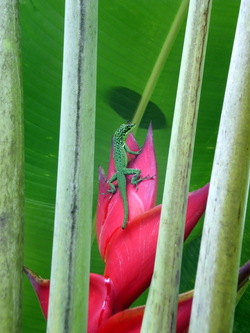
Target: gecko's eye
[130, 126]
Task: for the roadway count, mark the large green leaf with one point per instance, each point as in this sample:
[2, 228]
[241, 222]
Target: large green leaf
[131, 34]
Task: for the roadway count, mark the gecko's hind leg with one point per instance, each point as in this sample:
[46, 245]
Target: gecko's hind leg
[112, 189]
[136, 178]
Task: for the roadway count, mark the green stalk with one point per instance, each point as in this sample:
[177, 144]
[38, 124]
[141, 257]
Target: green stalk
[160, 312]
[217, 275]
[68, 307]
[160, 62]
[11, 169]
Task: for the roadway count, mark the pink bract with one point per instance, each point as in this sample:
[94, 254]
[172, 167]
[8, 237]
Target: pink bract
[130, 320]
[101, 295]
[110, 208]
[130, 254]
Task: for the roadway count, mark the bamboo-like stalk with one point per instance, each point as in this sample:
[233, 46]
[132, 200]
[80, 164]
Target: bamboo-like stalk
[216, 281]
[11, 169]
[160, 312]
[68, 307]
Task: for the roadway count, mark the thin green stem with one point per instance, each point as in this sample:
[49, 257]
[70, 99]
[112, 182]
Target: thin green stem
[160, 62]
[11, 169]
[156, 72]
[68, 305]
[217, 274]
[161, 307]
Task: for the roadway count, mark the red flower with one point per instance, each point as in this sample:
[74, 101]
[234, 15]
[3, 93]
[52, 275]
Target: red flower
[128, 254]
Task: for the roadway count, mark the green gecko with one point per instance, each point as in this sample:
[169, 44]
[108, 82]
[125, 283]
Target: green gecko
[120, 158]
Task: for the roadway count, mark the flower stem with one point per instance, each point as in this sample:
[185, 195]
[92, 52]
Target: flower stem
[11, 169]
[161, 307]
[160, 62]
[217, 274]
[68, 305]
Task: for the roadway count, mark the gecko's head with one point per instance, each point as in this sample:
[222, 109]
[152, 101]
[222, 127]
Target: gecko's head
[123, 131]
[127, 128]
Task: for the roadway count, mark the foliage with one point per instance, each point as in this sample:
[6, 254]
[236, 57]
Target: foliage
[131, 34]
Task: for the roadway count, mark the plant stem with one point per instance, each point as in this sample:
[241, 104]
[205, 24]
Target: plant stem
[11, 169]
[68, 307]
[160, 62]
[217, 275]
[160, 313]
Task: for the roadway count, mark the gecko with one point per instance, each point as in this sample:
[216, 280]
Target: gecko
[120, 159]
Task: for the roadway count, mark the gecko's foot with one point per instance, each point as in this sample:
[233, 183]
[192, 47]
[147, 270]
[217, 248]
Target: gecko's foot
[111, 193]
[124, 226]
[109, 196]
[136, 182]
[107, 192]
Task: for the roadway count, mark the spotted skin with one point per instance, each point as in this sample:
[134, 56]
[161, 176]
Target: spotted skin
[120, 158]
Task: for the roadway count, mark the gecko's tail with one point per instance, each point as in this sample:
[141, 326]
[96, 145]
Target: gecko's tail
[125, 219]
[124, 224]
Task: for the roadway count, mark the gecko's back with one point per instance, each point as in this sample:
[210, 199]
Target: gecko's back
[120, 136]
